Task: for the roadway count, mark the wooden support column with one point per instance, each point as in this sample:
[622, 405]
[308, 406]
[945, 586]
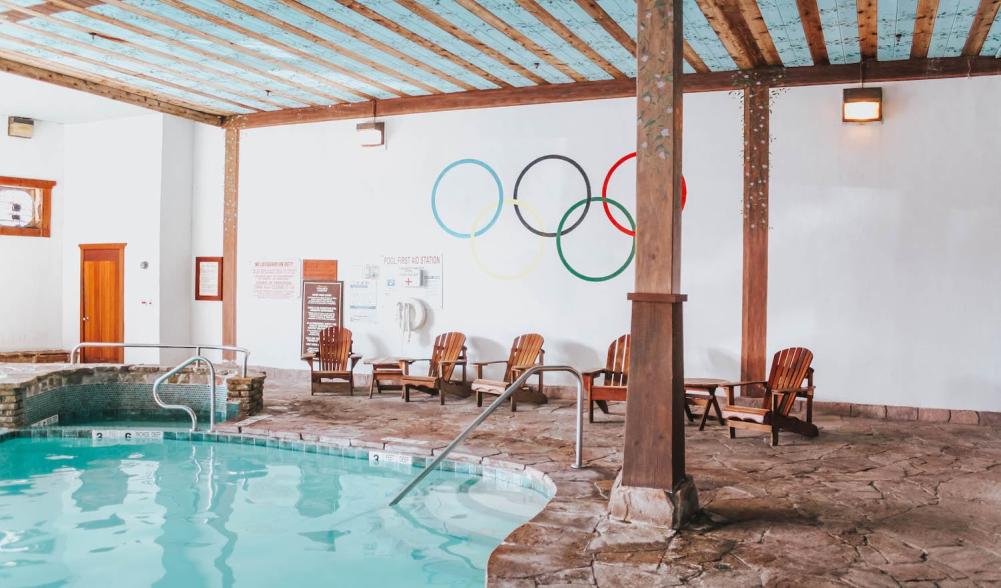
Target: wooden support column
[230, 215]
[654, 455]
[754, 316]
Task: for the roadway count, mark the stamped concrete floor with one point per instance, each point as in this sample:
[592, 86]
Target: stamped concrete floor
[868, 503]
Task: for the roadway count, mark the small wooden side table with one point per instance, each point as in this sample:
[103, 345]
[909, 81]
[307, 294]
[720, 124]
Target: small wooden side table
[702, 392]
[384, 369]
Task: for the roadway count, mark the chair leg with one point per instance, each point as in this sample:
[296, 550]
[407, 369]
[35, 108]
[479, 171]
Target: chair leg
[733, 433]
[351, 384]
[406, 393]
[514, 405]
[809, 409]
[590, 411]
[371, 386]
[441, 394]
[479, 398]
[775, 436]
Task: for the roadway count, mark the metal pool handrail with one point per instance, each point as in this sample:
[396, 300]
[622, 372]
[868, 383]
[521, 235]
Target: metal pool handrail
[75, 353]
[515, 386]
[187, 409]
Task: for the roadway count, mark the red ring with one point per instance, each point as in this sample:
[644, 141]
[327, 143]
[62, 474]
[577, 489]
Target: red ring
[604, 193]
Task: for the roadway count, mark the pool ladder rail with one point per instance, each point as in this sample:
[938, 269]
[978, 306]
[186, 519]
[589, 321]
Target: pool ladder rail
[194, 418]
[514, 387]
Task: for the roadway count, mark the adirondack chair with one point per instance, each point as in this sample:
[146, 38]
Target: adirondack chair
[449, 351]
[790, 371]
[526, 352]
[614, 378]
[333, 361]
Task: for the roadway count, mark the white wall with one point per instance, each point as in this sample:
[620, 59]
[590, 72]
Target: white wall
[881, 244]
[31, 296]
[176, 281]
[206, 224]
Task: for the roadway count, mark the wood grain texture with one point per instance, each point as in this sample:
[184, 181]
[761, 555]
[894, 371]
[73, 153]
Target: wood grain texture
[440, 22]
[654, 454]
[595, 11]
[47, 8]
[102, 300]
[809, 15]
[727, 21]
[987, 12]
[750, 14]
[754, 314]
[868, 28]
[924, 26]
[565, 33]
[694, 60]
[22, 66]
[230, 217]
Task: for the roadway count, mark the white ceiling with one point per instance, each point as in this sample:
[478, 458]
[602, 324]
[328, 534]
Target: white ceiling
[25, 97]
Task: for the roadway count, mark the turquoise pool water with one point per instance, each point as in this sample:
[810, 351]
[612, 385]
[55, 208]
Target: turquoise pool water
[77, 512]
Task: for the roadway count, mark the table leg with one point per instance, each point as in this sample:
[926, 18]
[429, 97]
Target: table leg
[688, 412]
[705, 413]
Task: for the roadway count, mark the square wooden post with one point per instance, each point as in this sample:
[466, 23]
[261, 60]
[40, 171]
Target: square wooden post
[653, 487]
[230, 215]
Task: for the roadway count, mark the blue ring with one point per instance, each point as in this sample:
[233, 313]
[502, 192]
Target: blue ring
[434, 197]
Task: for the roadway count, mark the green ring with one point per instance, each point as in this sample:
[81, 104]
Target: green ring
[559, 245]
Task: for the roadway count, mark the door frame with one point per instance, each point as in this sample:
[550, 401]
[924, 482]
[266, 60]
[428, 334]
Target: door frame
[120, 282]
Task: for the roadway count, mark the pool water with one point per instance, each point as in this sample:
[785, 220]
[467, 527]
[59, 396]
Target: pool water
[76, 512]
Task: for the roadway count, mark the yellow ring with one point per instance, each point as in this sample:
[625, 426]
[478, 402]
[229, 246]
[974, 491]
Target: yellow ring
[536, 259]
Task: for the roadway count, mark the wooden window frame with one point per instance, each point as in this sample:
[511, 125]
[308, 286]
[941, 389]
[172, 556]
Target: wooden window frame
[45, 228]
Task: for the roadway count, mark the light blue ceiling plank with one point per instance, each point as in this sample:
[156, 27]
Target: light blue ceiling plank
[839, 20]
[421, 28]
[216, 48]
[685, 68]
[132, 51]
[571, 14]
[151, 87]
[26, 3]
[895, 28]
[704, 40]
[786, 29]
[469, 22]
[240, 40]
[623, 12]
[305, 22]
[240, 77]
[517, 17]
[952, 27]
[992, 44]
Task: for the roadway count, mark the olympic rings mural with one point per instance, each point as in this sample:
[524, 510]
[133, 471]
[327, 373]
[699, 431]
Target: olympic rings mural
[486, 218]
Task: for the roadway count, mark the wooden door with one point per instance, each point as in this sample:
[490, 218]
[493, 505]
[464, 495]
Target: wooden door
[102, 300]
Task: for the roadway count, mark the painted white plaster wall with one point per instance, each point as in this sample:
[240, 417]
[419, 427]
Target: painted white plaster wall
[206, 225]
[881, 244]
[176, 289]
[30, 294]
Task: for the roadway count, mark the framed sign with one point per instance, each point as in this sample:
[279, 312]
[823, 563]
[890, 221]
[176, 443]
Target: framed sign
[321, 308]
[208, 278]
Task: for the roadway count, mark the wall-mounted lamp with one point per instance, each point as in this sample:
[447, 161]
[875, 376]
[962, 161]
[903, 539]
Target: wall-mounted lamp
[371, 134]
[19, 126]
[862, 105]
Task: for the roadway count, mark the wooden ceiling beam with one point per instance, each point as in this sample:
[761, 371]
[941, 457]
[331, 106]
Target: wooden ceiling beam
[338, 50]
[693, 58]
[432, 17]
[596, 12]
[868, 28]
[755, 23]
[564, 32]
[285, 48]
[872, 71]
[520, 38]
[809, 15]
[129, 73]
[28, 67]
[47, 8]
[727, 21]
[987, 12]
[924, 26]
[196, 50]
[332, 23]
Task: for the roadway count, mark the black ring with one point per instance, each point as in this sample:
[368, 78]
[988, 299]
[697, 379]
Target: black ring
[517, 184]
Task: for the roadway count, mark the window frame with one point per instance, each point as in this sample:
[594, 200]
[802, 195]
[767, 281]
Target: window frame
[45, 227]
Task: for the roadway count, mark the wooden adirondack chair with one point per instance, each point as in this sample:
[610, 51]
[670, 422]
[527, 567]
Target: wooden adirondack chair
[449, 351]
[614, 377]
[790, 370]
[333, 361]
[526, 352]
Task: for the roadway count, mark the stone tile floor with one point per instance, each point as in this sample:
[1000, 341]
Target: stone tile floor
[868, 503]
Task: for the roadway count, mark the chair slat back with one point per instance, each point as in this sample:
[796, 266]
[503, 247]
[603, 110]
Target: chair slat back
[618, 361]
[789, 370]
[525, 350]
[448, 347]
[335, 348]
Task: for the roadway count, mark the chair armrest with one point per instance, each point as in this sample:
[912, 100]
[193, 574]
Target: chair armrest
[405, 365]
[309, 358]
[354, 357]
[743, 383]
[482, 363]
[596, 372]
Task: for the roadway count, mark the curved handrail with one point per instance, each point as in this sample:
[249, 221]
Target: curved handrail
[515, 386]
[194, 418]
[75, 353]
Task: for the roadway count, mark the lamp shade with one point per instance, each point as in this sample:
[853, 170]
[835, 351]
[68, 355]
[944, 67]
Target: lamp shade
[862, 105]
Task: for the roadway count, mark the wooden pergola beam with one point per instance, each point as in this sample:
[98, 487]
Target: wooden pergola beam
[230, 218]
[755, 23]
[775, 77]
[565, 33]
[727, 20]
[987, 11]
[48, 8]
[754, 290]
[106, 91]
[924, 26]
[809, 15]
[693, 59]
[595, 11]
[868, 28]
